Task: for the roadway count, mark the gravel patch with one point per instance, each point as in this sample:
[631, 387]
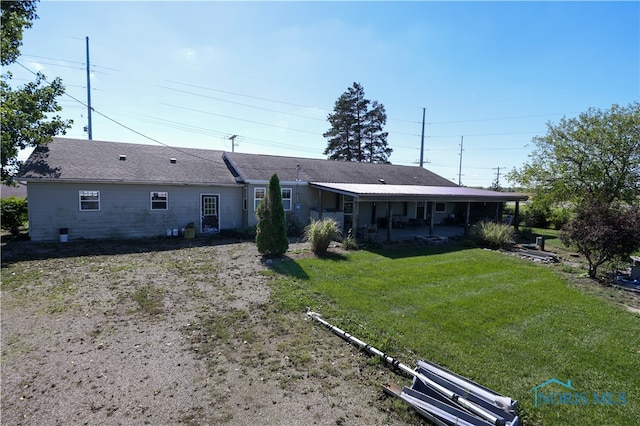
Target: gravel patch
[171, 332]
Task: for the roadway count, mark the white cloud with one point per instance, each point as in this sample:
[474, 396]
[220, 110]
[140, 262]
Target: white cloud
[37, 66]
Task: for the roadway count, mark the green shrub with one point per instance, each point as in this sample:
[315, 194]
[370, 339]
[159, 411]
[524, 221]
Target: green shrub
[295, 226]
[14, 214]
[491, 234]
[509, 209]
[526, 234]
[271, 232]
[320, 233]
[559, 217]
[349, 242]
[536, 215]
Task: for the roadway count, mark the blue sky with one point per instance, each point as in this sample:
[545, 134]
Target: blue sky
[192, 74]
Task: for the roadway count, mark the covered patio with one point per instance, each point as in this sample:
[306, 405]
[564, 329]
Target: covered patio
[418, 233]
[400, 212]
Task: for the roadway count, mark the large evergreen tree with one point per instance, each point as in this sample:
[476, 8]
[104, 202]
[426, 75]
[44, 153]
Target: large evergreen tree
[26, 111]
[356, 132]
[271, 234]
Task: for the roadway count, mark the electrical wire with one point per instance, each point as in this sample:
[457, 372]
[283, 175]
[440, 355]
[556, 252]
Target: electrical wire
[300, 105]
[119, 123]
[241, 104]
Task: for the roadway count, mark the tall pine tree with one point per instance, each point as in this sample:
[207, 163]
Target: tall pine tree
[356, 132]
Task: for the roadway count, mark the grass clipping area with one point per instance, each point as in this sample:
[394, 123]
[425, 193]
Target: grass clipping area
[504, 322]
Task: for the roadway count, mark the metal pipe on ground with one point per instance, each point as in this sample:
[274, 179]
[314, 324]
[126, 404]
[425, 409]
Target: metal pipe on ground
[455, 398]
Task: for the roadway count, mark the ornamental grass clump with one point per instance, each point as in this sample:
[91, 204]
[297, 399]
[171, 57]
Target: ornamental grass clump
[349, 242]
[320, 233]
[491, 234]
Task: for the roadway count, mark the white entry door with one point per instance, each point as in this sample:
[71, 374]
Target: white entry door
[209, 208]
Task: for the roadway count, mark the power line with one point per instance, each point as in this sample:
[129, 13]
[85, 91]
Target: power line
[502, 118]
[487, 134]
[246, 96]
[121, 124]
[242, 104]
[267, 100]
[295, 104]
[194, 129]
[239, 119]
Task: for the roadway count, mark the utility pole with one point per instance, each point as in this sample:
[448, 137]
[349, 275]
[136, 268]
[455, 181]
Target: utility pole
[422, 140]
[89, 127]
[497, 176]
[233, 142]
[460, 167]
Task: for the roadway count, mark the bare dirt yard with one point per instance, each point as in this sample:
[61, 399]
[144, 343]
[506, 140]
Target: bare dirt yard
[167, 332]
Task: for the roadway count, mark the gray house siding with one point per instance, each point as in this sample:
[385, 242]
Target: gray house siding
[300, 194]
[125, 210]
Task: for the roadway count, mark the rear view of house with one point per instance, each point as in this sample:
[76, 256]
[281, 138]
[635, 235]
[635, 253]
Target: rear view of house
[95, 190]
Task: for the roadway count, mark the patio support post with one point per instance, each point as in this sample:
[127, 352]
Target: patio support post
[516, 215]
[354, 217]
[432, 214]
[466, 219]
[389, 222]
[320, 212]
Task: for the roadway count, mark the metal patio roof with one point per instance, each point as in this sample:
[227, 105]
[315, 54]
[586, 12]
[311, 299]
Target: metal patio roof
[382, 192]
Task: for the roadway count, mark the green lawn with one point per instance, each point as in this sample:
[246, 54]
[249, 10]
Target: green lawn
[507, 323]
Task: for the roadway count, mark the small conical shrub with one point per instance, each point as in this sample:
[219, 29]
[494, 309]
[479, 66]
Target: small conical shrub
[271, 233]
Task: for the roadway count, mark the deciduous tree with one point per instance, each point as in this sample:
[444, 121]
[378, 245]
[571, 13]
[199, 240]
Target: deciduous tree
[593, 162]
[603, 232]
[357, 129]
[596, 154]
[26, 111]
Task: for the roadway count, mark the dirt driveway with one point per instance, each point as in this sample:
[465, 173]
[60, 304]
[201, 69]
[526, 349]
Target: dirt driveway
[169, 332]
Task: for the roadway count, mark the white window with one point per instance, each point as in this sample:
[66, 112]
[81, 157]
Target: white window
[258, 195]
[210, 206]
[159, 200]
[89, 200]
[286, 198]
[440, 207]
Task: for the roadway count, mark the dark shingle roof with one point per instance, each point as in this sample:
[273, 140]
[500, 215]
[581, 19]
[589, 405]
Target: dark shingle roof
[82, 160]
[261, 167]
[74, 159]
[19, 191]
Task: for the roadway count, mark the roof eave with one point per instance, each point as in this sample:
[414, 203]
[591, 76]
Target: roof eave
[127, 182]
